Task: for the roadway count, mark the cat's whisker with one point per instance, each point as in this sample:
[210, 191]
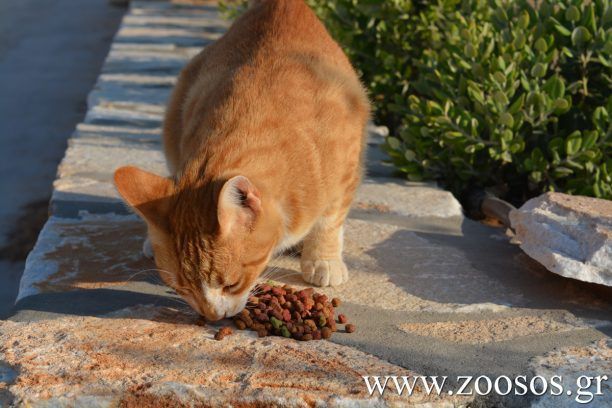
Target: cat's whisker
[282, 273]
[147, 271]
[286, 275]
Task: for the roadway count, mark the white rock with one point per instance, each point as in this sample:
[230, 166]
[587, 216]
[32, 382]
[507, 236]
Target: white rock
[569, 235]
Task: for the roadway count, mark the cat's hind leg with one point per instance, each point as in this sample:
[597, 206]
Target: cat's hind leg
[321, 261]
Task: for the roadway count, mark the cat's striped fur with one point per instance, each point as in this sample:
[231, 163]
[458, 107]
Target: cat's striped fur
[264, 136]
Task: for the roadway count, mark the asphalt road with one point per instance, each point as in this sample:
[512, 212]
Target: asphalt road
[50, 55]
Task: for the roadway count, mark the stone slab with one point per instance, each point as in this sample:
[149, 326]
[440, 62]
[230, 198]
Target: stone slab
[85, 174]
[151, 356]
[569, 235]
[572, 365]
[426, 280]
[397, 196]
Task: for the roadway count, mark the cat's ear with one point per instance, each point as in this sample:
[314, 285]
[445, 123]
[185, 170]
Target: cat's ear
[239, 204]
[146, 192]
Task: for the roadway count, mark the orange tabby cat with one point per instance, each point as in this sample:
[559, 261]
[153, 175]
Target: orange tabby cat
[264, 136]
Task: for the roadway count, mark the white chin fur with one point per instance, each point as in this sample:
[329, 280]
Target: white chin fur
[224, 305]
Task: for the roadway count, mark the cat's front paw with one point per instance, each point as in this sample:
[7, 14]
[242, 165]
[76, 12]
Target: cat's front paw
[324, 272]
[147, 249]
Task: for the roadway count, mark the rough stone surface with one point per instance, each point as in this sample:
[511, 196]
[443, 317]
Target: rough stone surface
[570, 235]
[406, 198]
[570, 364]
[489, 330]
[145, 356]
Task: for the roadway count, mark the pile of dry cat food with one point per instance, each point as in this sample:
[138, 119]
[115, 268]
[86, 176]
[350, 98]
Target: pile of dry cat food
[288, 312]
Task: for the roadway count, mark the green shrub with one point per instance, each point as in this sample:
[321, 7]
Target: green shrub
[494, 93]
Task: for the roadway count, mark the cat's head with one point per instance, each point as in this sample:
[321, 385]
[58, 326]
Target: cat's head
[209, 242]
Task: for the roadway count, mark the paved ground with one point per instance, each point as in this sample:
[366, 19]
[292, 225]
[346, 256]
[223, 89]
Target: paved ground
[50, 55]
[431, 292]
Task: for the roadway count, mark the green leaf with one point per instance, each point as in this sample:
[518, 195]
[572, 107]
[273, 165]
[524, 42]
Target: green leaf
[540, 45]
[523, 21]
[470, 51]
[580, 36]
[555, 87]
[573, 143]
[560, 106]
[470, 149]
[589, 139]
[538, 70]
[409, 155]
[559, 27]
[499, 78]
[506, 119]
[519, 40]
[572, 13]
[500, 98]
[393, 143]
[600, 118]
[562, 172]
[517, 105]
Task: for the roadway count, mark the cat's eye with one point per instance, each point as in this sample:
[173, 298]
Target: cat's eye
[231, 288]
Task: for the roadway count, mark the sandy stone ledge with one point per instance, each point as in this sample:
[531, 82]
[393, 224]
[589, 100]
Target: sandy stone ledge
[148, 356]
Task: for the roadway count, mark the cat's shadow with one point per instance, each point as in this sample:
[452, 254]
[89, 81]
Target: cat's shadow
[481, 266]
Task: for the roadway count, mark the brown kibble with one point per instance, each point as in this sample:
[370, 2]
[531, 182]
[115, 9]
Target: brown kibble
[247, 320]
[326, 332]
[224, 331]
[276, 291]
[331, 323]
[310, 323]
[240, 324]
[303, 314]
[350, 328]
